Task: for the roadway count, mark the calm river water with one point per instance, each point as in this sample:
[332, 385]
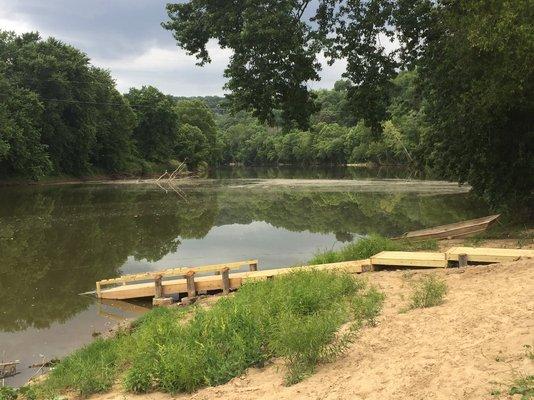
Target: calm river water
[57, 240]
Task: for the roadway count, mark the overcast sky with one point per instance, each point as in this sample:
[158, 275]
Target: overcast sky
[125, 36]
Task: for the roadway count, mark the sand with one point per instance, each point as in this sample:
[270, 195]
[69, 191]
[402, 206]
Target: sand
[465, 348]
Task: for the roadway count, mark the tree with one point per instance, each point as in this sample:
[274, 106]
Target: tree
[61, 77]
[114, 149]
[200, 144]
[157, 123]
[21, 151]
[273, 52]
[477, 73]
[473, 58]
[76, 117]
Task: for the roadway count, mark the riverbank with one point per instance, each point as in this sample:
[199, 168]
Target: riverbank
[149, 332]
[473, 346]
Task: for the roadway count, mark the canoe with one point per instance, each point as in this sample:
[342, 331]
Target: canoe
[458, 229]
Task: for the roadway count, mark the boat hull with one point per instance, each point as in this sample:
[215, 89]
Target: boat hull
[455, 230]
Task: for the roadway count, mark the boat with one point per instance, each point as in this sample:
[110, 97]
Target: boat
[8, 368]
[456, 230]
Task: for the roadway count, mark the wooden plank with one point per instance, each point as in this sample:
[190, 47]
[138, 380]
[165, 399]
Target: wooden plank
[175, 272]
[214, 282]
[410, 259]
[488, 255]
[158, 289]
[225, 276]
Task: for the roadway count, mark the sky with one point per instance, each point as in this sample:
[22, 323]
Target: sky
[125, 36]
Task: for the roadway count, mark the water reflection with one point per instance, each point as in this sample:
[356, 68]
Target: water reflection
[55, 242]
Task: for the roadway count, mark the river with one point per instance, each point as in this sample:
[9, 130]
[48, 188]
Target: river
[57, 240]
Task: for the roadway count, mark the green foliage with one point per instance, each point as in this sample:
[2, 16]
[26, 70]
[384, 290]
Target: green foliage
[8, 393]
[157, 123]
[89, 370]
[523, 386]
[367, 308]
[428, 292]
[197, 135]
[295, 317]
[61, 115]
[479, 85]
[455, 96]
[359, 250]
[21, 150]
[271, 60]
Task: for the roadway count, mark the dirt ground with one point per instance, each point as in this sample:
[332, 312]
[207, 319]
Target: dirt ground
[466, 348]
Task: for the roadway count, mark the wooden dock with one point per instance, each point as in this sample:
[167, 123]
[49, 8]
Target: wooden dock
[185, 280]
[488, 255]
[410, 259]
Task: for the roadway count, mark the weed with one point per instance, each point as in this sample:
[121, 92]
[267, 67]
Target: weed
[296, 317]
[363, 248]
[428, 292]
[367, 307]
[8, 393]
[523, 386]
[474, 241]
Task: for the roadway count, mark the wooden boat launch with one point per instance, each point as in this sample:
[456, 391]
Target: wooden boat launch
[455, 230]
[140, 285]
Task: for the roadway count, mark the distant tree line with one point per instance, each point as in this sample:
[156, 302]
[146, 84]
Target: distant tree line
[61, 115]
[334, 137]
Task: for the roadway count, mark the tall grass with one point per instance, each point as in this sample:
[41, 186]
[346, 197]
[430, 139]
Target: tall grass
[296, 317]
[369, 246]
[428, 292]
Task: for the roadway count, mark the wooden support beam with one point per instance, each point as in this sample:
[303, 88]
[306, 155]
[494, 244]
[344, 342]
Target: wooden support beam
[462, 260]
[191, 289]
[225, 280]
[158, 287]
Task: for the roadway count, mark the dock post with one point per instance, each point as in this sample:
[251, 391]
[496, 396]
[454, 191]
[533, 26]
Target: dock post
[225, 275]
[98, 294]
[462, 260]
[158, 287]
[253, 266]
[191, 290]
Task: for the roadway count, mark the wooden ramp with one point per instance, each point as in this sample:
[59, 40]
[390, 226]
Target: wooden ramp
[410, 259]
[175, 272]
[488, 255]
[217, 282]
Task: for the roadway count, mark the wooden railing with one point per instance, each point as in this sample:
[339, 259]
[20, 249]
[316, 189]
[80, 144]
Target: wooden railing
[175, 272]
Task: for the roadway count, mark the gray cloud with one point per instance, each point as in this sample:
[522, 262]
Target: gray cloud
[125, 36]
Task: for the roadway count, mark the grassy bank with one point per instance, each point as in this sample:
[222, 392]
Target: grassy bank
[295, 317]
